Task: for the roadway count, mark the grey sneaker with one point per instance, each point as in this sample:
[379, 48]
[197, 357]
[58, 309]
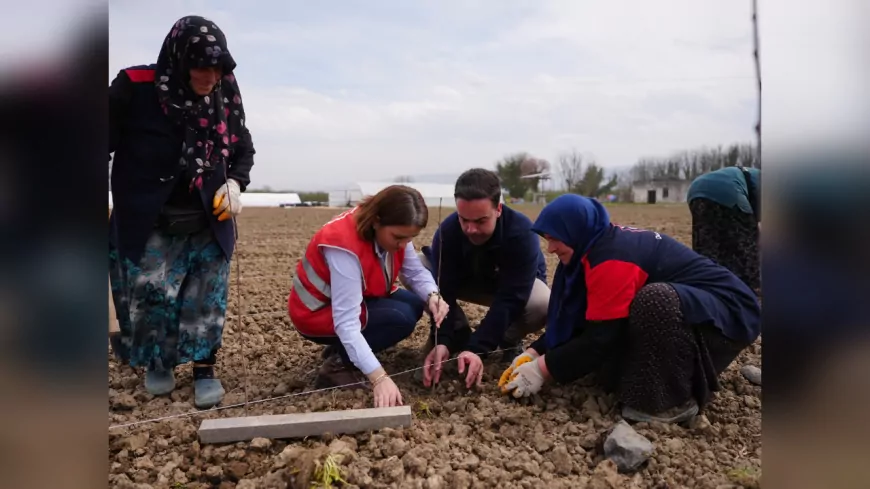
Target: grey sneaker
[677, 414]
[159, 382]
[207, 393]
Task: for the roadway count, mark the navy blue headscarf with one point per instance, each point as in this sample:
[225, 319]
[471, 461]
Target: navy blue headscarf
[578, 222]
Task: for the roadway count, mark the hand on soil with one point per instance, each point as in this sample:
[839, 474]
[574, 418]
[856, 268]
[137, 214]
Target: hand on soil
[387, 394]
[433, 363]
[475, 368]
[525, 357]
[526, 380]
[438, 308]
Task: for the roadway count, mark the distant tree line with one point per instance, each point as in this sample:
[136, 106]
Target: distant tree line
[583, 175]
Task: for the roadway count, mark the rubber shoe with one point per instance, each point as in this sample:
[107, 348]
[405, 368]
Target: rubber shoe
[674, 415]
[159, 382]
[334, 373]
[207, 393]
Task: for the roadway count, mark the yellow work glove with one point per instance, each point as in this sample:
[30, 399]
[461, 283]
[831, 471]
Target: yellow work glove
[527, 356]
[227, 200]
[526, 380]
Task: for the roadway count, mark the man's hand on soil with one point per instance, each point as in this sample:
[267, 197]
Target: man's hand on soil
[475, 368]
[433, 363]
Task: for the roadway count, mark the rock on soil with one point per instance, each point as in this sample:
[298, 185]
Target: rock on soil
[627, 448]
[752, 374]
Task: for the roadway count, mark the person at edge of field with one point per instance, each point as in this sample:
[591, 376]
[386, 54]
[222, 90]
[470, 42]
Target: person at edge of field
[182, 158]
[489, 257]
[726, 220]
[344, 294]
[654, 320]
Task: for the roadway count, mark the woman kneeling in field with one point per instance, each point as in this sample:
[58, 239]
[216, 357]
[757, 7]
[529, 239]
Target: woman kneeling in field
[344, 293]
[654, 319]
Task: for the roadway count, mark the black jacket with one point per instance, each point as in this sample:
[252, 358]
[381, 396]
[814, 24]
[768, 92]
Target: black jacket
[145, 169]
[507, 265]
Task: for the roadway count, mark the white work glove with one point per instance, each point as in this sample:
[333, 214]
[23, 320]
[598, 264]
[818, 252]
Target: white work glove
[227, 200]
[526, 380]
[529, 355]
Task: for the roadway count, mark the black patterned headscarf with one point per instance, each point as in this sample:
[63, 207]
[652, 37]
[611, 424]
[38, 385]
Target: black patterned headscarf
[212, 123]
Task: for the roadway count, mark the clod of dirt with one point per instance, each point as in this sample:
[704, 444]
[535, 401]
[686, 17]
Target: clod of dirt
[137, 441]
[237, 470]
[261, 443]
[299, 464]
[700, 423]
[561, 459]
[434, 482]
[627, 448]
[542, 442]
[124, 401]
[343, 451]
[281, 389]
[396, 447]
[391, 469]
[605, 476]
[751, 373]
[214, 474]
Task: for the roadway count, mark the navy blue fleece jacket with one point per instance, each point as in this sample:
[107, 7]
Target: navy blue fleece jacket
[506, 265]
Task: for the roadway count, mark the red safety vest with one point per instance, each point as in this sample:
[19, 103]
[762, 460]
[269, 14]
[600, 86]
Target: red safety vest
[310, 296]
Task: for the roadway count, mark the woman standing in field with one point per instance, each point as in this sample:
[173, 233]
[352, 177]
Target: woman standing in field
[654, 319]
[344, 293]
[182, 156]
[726, 220]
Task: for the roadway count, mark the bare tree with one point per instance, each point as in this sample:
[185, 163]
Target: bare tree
[571, 167]
[403, 179]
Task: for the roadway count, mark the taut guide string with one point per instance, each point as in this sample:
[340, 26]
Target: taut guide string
[296, 394]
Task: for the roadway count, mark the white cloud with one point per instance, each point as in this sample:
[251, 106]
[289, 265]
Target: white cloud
[335, 96]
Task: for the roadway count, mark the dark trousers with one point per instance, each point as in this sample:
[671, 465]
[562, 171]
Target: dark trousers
[390, 320]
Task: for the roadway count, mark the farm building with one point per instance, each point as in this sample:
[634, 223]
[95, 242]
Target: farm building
[433, 193]
[664, 190]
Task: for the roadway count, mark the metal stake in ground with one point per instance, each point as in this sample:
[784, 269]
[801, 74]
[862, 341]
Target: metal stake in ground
[438, 273]
[239, 304]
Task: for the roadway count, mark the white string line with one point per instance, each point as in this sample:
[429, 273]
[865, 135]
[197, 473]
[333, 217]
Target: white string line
[258, 401]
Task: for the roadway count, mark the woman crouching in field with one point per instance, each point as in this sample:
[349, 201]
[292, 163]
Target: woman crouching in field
[654, 319]
[344, 293]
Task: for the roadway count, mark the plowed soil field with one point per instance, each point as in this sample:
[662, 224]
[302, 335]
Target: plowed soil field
[457, 439]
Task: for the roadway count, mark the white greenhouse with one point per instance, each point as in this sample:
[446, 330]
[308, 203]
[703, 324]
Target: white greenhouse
[433, 193]
[259, 199]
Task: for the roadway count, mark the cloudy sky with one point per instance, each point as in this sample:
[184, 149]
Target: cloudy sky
[366, 90]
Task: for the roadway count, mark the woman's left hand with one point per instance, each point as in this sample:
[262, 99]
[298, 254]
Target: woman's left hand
[438, 307]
